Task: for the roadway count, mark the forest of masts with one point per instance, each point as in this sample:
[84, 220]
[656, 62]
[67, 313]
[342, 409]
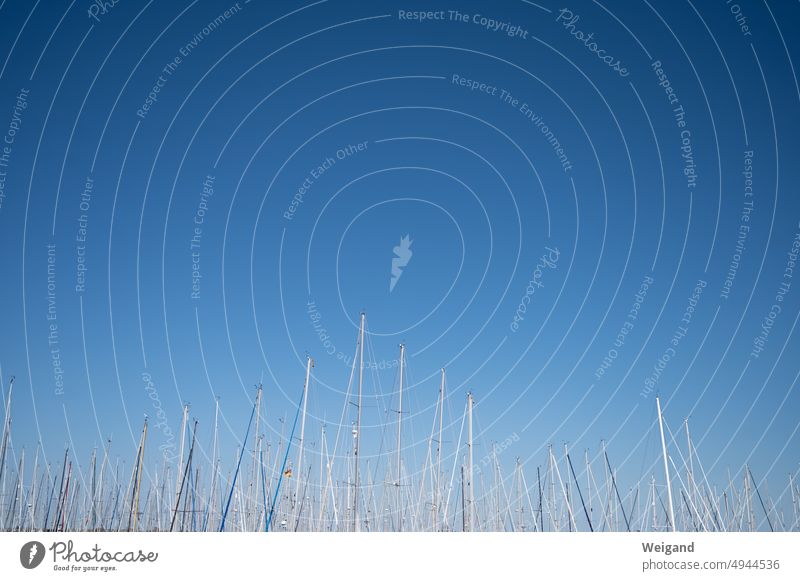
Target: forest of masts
[325, 485]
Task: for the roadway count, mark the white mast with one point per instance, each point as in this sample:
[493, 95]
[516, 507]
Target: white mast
[439, 456]
[252, 495]
[666, 465]
[309, 365]
[690, 476]
[357, 439]
[399, 443]
[214, 465]
[496, 486]
[653, 494]
[794, 502]
[32, 503]
[6, 431]
[748, 500]
[470, 484]
[183, 440]
[554, 520]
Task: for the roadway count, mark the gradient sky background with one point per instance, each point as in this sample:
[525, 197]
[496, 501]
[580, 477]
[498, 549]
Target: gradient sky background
[273, 91]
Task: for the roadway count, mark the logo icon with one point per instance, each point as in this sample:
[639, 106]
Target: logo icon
[402, 256]
[31, 554]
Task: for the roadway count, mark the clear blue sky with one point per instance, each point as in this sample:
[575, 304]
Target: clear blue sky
[515, 152]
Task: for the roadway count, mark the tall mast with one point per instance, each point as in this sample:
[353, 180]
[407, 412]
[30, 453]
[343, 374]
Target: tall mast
[140, 463]
[309, 365]
[520, 526]
[653, 494]
[357, 440]
[497, 486]
[252, 486]
[541, 510]
[464, 526]
[399, 443]
[470, 484]
[186, 474]
[94, 487]
[588, 479]
[794, 503]
[690, 476]
[99, 508]
[666, 465]
[215, 467]
[554, 521]
[439, 456]
[183, 441]
[34, 490]
[568, 490]
[6, 430]
[751, 517]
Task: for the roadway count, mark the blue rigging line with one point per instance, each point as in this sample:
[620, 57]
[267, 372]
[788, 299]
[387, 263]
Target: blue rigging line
[236, 474]
[283, 467]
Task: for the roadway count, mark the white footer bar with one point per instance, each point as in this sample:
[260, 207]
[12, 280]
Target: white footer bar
[408, 556]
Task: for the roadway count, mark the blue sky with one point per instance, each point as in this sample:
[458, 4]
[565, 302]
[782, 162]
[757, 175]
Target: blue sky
[511, 162]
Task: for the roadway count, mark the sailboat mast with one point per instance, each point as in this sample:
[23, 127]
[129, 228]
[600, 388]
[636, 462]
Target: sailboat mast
[357, 441]
[178, 475]
[252, 496]
[399, 443]
[309, 365]
[6, 430]
[470, 485]
[666, 465]
[690, 476]
[439, 455]
[139, 475]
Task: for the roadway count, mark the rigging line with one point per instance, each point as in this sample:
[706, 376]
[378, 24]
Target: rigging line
[347, 402]
[238, 465]
[455, 461]
[580, 495]
[283, 468]
[677, 473]
[764, 508]
[187, 471]
[614, 484]
[377, 394]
